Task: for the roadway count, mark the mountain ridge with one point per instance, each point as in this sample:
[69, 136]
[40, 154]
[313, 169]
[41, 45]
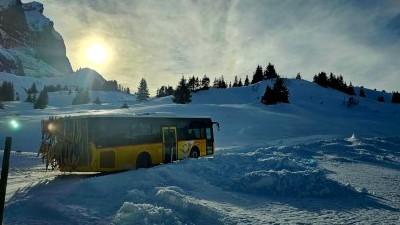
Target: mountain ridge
[29, 44]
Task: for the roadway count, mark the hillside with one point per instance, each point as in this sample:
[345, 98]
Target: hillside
[311, 161]
[313, 111]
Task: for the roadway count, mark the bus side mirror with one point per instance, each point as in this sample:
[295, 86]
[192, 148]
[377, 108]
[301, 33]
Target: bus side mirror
[216, 123]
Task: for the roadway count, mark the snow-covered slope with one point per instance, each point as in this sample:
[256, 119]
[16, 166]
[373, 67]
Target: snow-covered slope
[82, 78]
[314, 111]
[311, 161]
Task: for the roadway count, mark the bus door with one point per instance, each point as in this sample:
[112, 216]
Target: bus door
[209, 141]
[210, 138]
[169, 144]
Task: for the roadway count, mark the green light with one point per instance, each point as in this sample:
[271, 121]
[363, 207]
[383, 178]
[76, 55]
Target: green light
[14, 124]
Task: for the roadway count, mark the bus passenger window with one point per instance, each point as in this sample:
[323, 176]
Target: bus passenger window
[208, 133]
[194, 134]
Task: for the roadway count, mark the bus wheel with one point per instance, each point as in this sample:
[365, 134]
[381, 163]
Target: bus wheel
[194, 153]
[143, 160]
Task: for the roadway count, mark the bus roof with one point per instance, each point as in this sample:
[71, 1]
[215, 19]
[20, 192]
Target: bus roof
[149, 116]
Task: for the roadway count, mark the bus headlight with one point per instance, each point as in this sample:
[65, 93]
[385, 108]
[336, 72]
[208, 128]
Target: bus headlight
[51, 127]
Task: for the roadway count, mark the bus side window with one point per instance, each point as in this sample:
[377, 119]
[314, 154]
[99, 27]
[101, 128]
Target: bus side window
[194, 133]
[203, 133]
[208, 133]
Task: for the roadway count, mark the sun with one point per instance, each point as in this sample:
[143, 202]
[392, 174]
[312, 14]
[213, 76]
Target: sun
[96, 53]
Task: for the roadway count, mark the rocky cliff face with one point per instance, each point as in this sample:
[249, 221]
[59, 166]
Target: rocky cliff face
[29, 45]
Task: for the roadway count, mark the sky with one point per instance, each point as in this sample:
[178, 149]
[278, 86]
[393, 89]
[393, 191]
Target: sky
[163, 40]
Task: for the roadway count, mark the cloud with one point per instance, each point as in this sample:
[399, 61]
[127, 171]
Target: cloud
[163, 40]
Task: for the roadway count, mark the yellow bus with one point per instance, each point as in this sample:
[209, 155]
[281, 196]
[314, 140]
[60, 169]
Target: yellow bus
[98, 143]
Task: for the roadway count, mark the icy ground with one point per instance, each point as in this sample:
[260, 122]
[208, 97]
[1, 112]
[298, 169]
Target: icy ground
[313, 161]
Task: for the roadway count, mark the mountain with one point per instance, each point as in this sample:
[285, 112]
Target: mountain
[29, 44]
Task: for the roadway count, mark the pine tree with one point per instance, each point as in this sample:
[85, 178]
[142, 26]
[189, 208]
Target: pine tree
[42, 100]
[143, 91]
[270, 72]
[96, 85]
[33, 89]
[97, 101]
[247, 81]
[381, 99]
[124, 106]
[350, 102]
[240, 84]
[222, 83]
[216, 83]
[192, 84]
[298, 76]
[197, 84]
[321, 79]
[29, 98]
[205, 83]
[164, 91]
[34, 98]
[111, 85]
[235, 82]
[82, 97]
[269, 96]
[160, 92]
[170, 91]
[258, 75]
[7, 91]
[281, 91]
[362, 92]
[350, 89]
[182, 93]
[396, 97]
[1, 105]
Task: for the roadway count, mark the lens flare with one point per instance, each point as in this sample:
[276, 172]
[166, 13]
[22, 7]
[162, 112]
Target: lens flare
[14, 124]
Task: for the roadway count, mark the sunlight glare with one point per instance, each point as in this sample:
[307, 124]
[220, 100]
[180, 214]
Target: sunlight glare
[96, 53]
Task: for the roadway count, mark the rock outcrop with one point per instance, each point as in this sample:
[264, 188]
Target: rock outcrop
[29, 44]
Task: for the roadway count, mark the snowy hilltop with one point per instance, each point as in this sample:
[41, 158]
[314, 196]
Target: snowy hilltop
[29, 45]
[313, 110]
[314, 160]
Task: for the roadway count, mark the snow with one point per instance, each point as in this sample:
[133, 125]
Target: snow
[6, 54]
[34, 16]
[36, 20]
[313, 161]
